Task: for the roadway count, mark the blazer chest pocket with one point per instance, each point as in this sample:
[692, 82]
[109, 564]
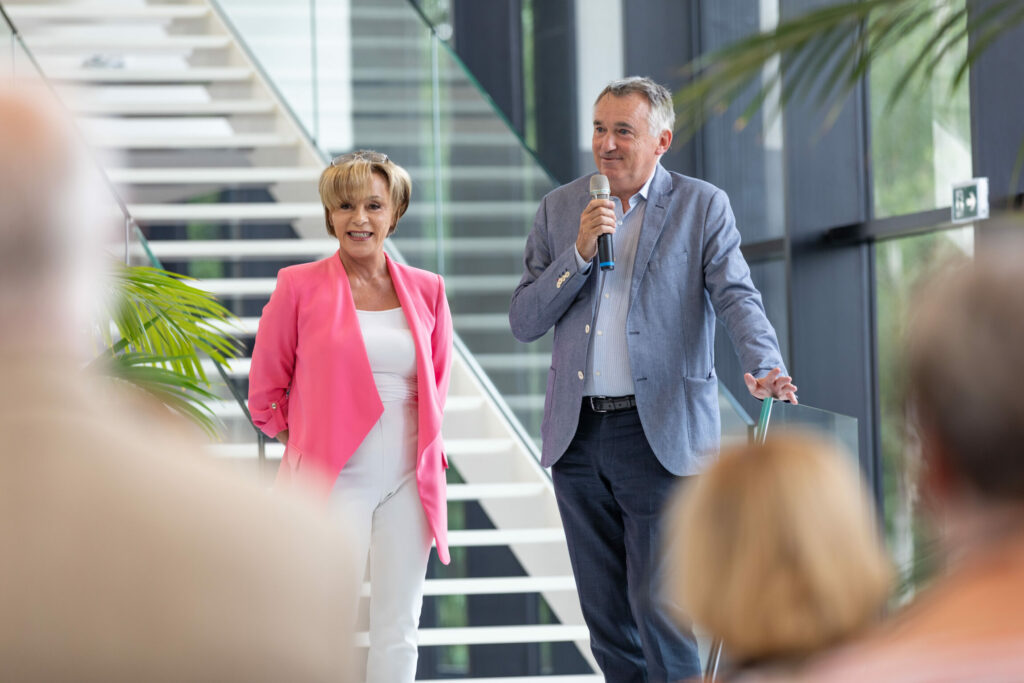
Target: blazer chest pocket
[667, 260]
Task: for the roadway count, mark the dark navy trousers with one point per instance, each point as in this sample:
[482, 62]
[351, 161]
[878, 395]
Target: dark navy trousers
[611, 493]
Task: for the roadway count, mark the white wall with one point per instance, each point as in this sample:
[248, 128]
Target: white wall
[600, 58]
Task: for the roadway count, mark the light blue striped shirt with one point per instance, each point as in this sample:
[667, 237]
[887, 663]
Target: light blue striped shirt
[608, 371]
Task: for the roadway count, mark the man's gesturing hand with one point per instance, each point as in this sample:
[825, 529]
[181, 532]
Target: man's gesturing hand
[598, 218]
[774, 384]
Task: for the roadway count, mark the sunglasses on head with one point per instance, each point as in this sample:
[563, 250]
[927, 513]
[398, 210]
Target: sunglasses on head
[364, 154]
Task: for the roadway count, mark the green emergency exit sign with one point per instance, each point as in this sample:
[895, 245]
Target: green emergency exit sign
[970, 200]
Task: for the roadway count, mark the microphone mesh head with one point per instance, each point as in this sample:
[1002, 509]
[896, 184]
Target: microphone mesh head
[599, 185]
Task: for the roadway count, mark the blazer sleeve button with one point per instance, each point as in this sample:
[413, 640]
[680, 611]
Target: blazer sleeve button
[273, 406]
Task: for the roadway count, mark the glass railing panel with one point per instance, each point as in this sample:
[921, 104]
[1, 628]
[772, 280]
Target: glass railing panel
[282, 36]
[489, 190]
[840, 430]
[6, 51]
[737, 425]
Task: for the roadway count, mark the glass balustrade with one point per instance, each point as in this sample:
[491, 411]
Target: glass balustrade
[839, 430]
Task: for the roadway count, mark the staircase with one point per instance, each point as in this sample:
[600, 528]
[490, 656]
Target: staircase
[211, 144]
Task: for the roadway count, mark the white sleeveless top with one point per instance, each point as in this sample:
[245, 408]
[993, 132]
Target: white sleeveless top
[391, 351]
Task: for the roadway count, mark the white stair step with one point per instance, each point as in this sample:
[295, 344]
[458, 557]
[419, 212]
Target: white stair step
[172, 176]
[483, 635]
[229, 212]
[477, 538]
[525, 401]
[457, 107]
[242, 249]
[488, 284]
[226, 408]
[494, 586]
[459, 404]
[495, 491]
[241, 141]
[385, 139]
[459, 448]
[255, 211]
[275, 449]
[514, 361]
[126, 43]
[262, 286]
[463, 245]
[481, 322]
[196, 74]
[184, 176]
[252, 286]
[103, 11]
[315, 248]
[213, 107]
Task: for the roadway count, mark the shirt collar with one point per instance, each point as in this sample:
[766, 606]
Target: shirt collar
[647, 186]
[642, 192]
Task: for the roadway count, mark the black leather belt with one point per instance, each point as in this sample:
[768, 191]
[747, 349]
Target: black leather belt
[609, 404]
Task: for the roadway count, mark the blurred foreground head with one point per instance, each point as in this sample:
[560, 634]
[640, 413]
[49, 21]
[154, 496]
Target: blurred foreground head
[774, 549]
[124, 555]
[965, 344]
[52, 230]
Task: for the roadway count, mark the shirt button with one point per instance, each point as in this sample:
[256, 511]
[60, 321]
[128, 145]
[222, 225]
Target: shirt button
[599, 333]
[598, 373]
[587, 329]
[580, 374]
[619, 223]
[605, 296]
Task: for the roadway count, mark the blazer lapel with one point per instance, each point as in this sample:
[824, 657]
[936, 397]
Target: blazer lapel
[650, 230]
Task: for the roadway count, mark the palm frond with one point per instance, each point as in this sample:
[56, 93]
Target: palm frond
[175, 390]
[826, 52]
[162, 325]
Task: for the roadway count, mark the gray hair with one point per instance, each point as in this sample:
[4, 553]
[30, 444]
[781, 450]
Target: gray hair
[662, 116]
[964, 346]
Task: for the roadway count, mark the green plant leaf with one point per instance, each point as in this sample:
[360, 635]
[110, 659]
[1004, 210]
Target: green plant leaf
[163, 323]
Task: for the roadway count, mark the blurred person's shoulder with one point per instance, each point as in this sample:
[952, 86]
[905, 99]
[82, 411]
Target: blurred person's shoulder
[965, 627]
[133, 554]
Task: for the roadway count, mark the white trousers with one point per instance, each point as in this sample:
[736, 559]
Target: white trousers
[376, 498]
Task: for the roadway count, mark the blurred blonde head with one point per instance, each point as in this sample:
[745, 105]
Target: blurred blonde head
[52, 230]
[775, 550]
[349, 176]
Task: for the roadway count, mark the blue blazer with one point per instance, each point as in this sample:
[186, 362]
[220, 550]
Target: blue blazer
[688, 272]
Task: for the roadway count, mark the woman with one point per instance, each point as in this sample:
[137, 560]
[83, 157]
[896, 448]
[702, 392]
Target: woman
[350, 370]
[775, 550]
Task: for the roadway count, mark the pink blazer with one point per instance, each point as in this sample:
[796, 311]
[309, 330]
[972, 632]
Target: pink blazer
[310, 375]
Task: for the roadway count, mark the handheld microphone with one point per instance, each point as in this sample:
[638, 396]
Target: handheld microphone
[601, 189]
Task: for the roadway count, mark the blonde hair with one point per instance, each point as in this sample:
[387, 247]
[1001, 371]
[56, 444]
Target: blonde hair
[350, 175]
[778, 553]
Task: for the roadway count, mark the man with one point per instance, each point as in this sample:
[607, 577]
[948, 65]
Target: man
[124, 555]
[966, 340]
[632, 396]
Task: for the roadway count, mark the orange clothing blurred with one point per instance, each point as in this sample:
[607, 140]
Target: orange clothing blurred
[968, 626]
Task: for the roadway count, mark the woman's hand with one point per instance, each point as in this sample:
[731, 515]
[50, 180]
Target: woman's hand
[282, 436]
